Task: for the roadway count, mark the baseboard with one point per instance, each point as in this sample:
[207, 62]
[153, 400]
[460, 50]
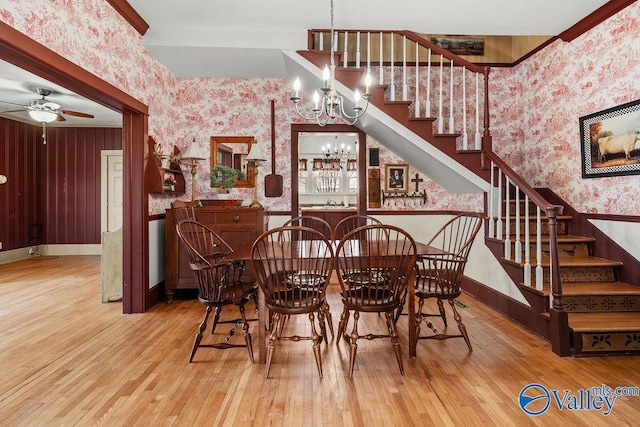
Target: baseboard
[537, 323]
[55, 250]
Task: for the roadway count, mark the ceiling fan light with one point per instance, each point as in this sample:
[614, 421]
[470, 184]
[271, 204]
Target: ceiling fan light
[43, 116]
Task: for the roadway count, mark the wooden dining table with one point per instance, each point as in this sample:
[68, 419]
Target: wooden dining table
[243, 253]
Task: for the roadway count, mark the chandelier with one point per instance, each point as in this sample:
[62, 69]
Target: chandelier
[331, 105]
[335, 154]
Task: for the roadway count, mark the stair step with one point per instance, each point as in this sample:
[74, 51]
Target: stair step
[571, 262]
[604, 322]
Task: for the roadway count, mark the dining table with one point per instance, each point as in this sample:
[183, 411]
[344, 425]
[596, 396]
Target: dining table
[243, 253]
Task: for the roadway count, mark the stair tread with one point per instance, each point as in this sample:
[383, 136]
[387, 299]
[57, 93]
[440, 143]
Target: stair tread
[561, 238]
[604, 322]
[599, 288]
[587, 288]
[572, 262]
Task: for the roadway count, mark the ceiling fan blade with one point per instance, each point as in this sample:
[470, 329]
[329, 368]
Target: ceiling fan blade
[60, 118]
[77, 114]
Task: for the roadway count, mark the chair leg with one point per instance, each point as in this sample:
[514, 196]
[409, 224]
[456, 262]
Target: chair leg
[353, 343]
[245, 330]
[317, 339]
[216, 319]
[322, 324]
[327, 312]
[201, 329]
[273, 339]
[342, 325]
[442, 312]
[393, 333]
[463, 329]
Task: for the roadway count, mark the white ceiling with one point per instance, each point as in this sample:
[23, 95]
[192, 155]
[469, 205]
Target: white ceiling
[245, 38]
[19, 87]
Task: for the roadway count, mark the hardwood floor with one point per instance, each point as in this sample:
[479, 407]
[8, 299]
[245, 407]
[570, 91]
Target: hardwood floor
[68, 359]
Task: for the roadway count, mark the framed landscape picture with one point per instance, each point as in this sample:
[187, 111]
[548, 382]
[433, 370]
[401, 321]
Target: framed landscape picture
[610, 141]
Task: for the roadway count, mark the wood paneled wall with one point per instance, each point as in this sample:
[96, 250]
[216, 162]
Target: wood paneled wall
[54, 188]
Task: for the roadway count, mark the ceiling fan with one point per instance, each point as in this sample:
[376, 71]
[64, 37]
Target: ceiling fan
[45, 111]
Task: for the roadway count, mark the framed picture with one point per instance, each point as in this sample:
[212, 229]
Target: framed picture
[461, 45]
[396, 178]
[610, 141]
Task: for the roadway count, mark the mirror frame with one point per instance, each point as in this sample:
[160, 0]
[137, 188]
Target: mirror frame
[249, 182]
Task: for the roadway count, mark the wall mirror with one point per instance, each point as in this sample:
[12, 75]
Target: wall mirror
[231, 151]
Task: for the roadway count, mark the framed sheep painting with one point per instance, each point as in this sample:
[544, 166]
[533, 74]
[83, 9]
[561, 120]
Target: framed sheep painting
[611, 141]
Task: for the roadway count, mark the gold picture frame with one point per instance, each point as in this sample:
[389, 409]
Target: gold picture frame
[396, 178]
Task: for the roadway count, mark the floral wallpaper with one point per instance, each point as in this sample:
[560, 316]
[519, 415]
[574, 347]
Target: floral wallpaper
[535, 106]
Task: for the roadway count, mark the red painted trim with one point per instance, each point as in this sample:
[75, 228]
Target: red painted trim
[157, 217]
[130, 15]
[600, 15]
[20, 50]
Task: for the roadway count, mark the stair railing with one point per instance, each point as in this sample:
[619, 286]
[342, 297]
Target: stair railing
[515, 186]
[439, 83]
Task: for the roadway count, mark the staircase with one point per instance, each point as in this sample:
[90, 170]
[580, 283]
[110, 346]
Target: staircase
[603, 311]
[587, 300]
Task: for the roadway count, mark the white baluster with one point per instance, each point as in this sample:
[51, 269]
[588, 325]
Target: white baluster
[499, 222]
[507, 224]
[440, 122]
[428, 106]
[344, 53]
[478, 133]
[539, 276]
[465, 142]
[381, 62]
[321, 47]
[368, 51]
[358, 49]
[518, 244]
[416, 103]
[491, 203]
[393, 79]
[527, 243]
[404, 68]
[451, 98]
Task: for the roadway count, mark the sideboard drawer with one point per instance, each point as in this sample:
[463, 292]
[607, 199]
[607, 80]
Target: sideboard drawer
[236, 217]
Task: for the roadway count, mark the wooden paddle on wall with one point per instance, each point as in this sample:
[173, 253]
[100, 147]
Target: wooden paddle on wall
[273, 181]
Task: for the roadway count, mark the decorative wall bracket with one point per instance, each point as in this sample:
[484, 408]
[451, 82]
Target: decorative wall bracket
[415, 195]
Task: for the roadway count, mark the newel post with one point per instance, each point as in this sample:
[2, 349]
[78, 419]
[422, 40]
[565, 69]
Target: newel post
[559, 320]
[487, 143]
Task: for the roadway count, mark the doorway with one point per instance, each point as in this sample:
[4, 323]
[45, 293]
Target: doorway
[299, 129]
[20, 50]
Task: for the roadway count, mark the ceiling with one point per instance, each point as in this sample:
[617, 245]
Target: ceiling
[245, 38]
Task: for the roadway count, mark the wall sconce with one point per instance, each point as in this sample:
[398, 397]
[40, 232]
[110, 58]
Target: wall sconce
[255, 155]
[192, 156]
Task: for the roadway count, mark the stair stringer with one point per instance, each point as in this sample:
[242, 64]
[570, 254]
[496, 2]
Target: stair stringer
[427, 158]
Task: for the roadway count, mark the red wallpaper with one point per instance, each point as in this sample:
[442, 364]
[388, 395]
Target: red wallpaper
[53, 189]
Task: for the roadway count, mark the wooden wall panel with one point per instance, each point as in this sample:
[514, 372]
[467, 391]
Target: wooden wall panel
[53, 187]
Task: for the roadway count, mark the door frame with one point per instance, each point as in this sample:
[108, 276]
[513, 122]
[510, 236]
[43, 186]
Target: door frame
[298, 128]
[24, 52]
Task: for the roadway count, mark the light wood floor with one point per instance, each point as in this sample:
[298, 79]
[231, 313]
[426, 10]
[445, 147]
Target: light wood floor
[68, 359]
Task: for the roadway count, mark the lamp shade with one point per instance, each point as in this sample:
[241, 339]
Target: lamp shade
[255, 154]
[43, 116]
[192, 153]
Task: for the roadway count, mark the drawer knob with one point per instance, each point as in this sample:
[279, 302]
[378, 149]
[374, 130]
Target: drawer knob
[236, 218]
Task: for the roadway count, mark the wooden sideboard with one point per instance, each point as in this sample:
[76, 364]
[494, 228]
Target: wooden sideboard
[236, 225]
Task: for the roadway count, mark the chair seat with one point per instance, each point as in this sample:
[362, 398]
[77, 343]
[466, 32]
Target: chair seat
[365, 278]
[376, 298]
[230, 294]
[296, 297]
